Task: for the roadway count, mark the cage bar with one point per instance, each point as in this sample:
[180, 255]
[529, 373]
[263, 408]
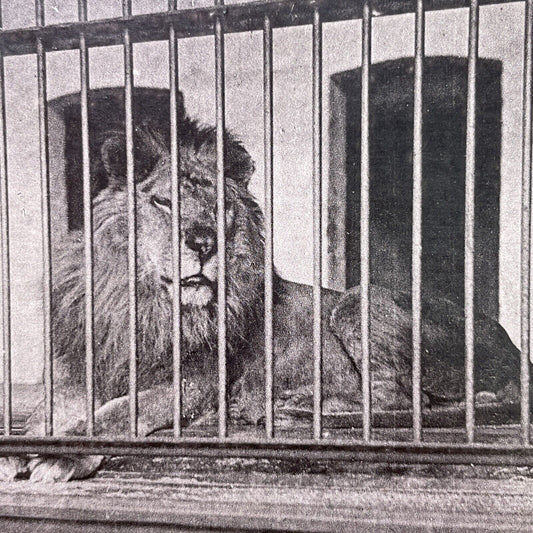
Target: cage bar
[5, 253]
[221, 226]
[87, 223]
[45, 213]
[525, 258]
[176, 222]
[365, 217]
[132, 221]
[473, 35]
[317, 225]
[269, 226]
[279, 448]
[416, 291]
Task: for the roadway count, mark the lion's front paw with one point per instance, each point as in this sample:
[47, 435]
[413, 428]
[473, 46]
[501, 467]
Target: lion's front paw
[55, 469]
[12, 467]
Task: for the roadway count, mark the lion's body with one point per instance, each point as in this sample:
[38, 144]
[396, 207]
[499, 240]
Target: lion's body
[245, 253]
[293, 313]
[292, 332]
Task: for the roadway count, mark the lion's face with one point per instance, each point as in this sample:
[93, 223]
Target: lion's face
[198, 240]
[198, 235]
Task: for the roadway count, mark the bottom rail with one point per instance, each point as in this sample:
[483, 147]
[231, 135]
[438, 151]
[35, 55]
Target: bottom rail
[384, 452]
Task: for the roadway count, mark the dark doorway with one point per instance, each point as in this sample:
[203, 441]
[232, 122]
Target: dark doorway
[106, 115]
[443, 175]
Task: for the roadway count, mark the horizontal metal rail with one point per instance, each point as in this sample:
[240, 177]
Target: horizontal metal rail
[384, 452]
[201, 21]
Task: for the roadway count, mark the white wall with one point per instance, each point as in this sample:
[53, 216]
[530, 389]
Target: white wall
[501, 38]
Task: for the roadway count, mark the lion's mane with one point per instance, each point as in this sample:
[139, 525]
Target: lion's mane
[244, 254]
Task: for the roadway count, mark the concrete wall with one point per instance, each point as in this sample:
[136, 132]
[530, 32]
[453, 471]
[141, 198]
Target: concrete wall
[501, 38]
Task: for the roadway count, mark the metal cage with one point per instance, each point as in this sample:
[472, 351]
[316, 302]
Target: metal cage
[217, 21]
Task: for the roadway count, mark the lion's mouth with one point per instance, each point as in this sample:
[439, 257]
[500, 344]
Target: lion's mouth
[166, 281]
[198, 280]
[196, 291]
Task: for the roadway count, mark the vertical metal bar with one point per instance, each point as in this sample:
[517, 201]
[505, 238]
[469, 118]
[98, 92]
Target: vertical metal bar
[221, 225]
[132, 221]
[176, 225]
[126, 8]
[45, 213]
[417, 220]
[525, 259]
[269, 226]
[317, 225]
[87, 223]
[4, 252]
[469, 217]
[365, 218]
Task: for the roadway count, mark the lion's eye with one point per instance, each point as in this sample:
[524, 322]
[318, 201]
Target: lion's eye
[161, 203]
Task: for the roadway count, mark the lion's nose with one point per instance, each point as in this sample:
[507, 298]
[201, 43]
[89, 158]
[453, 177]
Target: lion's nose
[202, 241]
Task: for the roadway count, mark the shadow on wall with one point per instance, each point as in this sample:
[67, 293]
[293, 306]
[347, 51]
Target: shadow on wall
[391, 141]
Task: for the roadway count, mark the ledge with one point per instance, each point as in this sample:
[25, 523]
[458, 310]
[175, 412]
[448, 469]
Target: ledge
[245, 495]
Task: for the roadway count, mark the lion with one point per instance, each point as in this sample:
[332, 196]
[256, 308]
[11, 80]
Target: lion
[443, 368]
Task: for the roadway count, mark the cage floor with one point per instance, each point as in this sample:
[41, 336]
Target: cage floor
[136, 494]
[262, 495]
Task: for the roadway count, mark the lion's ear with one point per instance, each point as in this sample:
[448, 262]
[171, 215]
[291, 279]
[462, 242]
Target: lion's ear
[149, 148]
[239, 164]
